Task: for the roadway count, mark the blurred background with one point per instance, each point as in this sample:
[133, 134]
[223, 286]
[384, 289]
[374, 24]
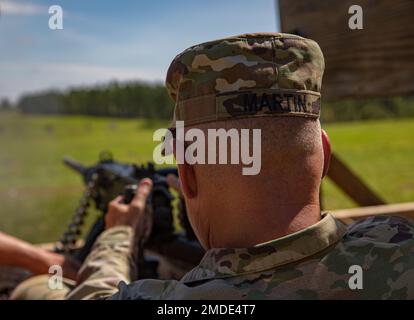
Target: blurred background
[97, 84]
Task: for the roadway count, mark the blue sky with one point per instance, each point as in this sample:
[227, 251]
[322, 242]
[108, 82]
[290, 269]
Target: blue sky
[104, 40]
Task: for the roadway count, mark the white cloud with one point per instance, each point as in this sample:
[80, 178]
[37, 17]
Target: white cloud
[16, 79]
[21, 8]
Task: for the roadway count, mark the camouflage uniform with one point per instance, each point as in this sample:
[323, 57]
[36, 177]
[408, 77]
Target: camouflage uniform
[257, 75]
[313, 263]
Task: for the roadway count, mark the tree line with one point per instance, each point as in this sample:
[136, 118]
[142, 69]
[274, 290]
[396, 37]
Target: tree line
[151, 101]
[133, 99]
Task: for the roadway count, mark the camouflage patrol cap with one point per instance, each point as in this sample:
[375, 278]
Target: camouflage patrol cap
[250, 75]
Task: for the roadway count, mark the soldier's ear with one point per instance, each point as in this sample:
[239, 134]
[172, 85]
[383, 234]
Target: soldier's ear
[187, 178]
[326, 144]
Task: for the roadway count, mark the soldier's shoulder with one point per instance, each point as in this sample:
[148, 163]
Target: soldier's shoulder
[382, 229]
[383, 246]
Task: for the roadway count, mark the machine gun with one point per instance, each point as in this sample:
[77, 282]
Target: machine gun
[106, 180]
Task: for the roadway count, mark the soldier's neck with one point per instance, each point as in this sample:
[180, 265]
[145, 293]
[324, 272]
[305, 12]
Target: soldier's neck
[263, 225]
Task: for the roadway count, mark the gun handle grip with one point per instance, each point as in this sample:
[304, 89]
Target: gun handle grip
[129, 193]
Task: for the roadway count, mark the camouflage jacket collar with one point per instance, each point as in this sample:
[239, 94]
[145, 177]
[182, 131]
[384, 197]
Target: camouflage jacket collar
[223, 262]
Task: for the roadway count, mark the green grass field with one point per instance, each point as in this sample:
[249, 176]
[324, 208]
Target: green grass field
[38, 194]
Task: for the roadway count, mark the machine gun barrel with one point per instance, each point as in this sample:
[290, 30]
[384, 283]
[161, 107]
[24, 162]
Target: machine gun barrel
[74, 165]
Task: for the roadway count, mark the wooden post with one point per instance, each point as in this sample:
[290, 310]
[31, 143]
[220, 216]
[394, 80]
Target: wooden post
[398, 209]
[351, 184]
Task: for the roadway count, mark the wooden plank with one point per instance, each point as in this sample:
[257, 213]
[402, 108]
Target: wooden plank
[376, 61]
[399, 209]
[351, 184]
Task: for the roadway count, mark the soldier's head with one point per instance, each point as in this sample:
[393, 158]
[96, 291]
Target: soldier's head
[269, 82]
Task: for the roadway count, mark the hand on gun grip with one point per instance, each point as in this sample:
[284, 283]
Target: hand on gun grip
[132, 214]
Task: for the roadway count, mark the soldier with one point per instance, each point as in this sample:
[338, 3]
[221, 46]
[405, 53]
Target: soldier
[265, 235]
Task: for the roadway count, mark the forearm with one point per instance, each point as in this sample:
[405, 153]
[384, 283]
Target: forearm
[109, 262]
[18, 253]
